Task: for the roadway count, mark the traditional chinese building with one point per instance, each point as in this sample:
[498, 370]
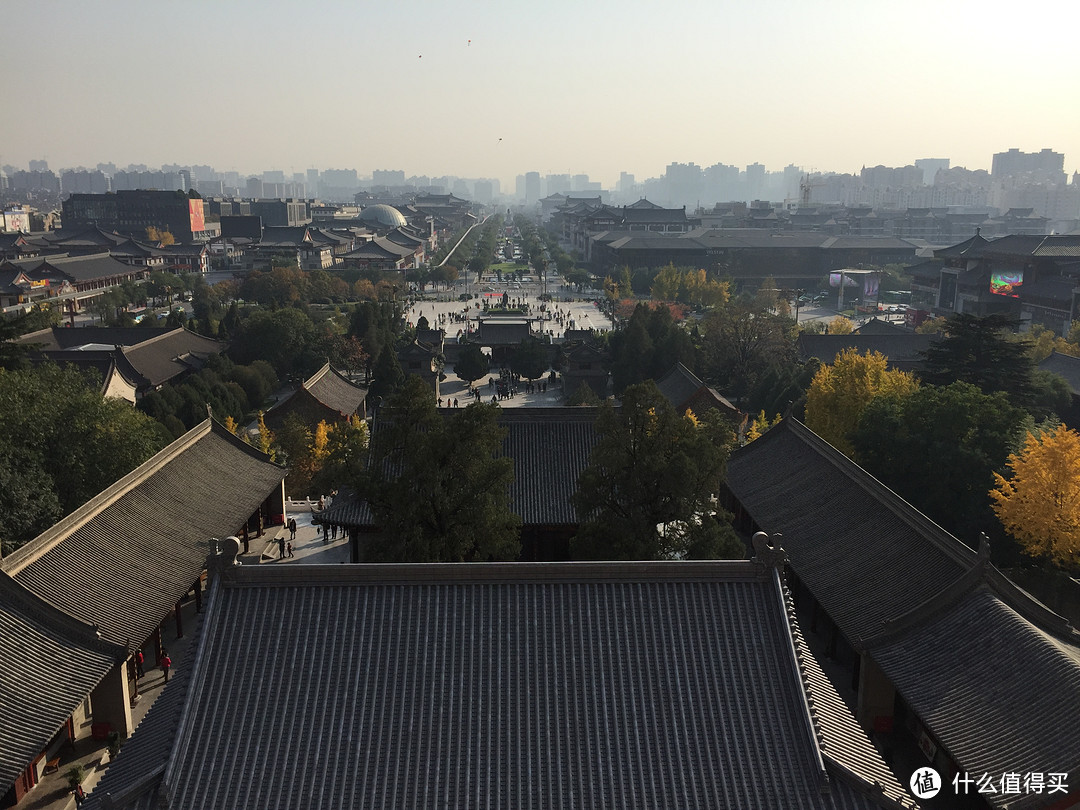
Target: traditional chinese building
[326, 396]
[501, 686]
[941, 651]
[79, 600]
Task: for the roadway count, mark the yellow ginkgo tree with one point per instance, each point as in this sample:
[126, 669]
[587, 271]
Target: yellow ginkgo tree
[1039, 504]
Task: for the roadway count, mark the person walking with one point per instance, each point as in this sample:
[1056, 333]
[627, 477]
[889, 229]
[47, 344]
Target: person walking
[166, 664]
[80, 795]
[139, 672]
[292, 529]
[281, 547]
[288, 549]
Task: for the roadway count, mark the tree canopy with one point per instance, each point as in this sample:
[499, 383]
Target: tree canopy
[647, 493]
[439, 486]
[938, 447]
[742, 343]
[979, 351]
[472, 363]
[61, 434]
[840, 393]
[531, 358]
[1039, 503]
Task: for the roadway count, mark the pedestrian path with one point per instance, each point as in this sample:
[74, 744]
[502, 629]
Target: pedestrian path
[311, 547]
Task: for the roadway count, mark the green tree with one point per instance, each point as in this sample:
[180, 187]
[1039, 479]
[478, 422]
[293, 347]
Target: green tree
[841, 392]
[283, 337]
[531, 358]
[979, 351]
[346, 454]
[742, 343]
[647, 493]
[439, 490]
[939, 447]
[1039, 503]
[388, 374]
[12, 354]
[472, 364]
[56, 420]
[27, 497]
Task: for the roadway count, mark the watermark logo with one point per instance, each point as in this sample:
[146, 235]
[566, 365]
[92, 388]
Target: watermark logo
[925, 783]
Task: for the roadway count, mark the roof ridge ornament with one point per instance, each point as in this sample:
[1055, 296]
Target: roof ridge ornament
[768, 553]
[223, 554]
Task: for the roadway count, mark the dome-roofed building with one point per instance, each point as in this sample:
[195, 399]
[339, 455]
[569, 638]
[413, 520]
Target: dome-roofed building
[383, 216]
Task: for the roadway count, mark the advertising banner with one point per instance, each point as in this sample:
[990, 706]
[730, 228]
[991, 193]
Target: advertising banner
[198, 221]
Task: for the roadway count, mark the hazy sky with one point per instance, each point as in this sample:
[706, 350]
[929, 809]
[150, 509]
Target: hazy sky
[580, 86]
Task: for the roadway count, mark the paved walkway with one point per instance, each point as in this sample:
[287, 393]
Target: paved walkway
[311, 546]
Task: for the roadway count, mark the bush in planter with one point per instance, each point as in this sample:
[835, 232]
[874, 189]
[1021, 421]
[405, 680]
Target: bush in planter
[76, 775]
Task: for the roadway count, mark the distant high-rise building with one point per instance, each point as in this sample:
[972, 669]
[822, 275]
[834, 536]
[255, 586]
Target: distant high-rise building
[557, 184]
[133, 212]
[723, 183]
[1044, 165]
[254, 188]
[273, 177]
[388, 177]
[107, 168]
[519, 187]
[532, 188]
[313, 182]
[755, 180]
[930, 167]
[625, 184]
[792, 177]
[683, 184]
[483, 191]
[39, 165]
[579, 182]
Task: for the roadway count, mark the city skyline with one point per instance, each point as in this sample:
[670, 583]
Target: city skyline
[486, 90]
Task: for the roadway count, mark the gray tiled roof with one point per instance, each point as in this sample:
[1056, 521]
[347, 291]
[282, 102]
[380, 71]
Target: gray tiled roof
[167, 356]
[993, 674]
[89, 268]
[898, 346]
[965, 248]
[680, 385]
[49, 663]
[494, 332]
[123, 559]
[549, 447]
[866, 554]
[999, 693]
[843, 743]
[876, 326]
[1065, 365]
[330, 387]
[502, 686]
[62, 338]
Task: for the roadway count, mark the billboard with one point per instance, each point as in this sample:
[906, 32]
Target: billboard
[849, 281]
[1006, 282]
[198, 221]
[16, 221]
